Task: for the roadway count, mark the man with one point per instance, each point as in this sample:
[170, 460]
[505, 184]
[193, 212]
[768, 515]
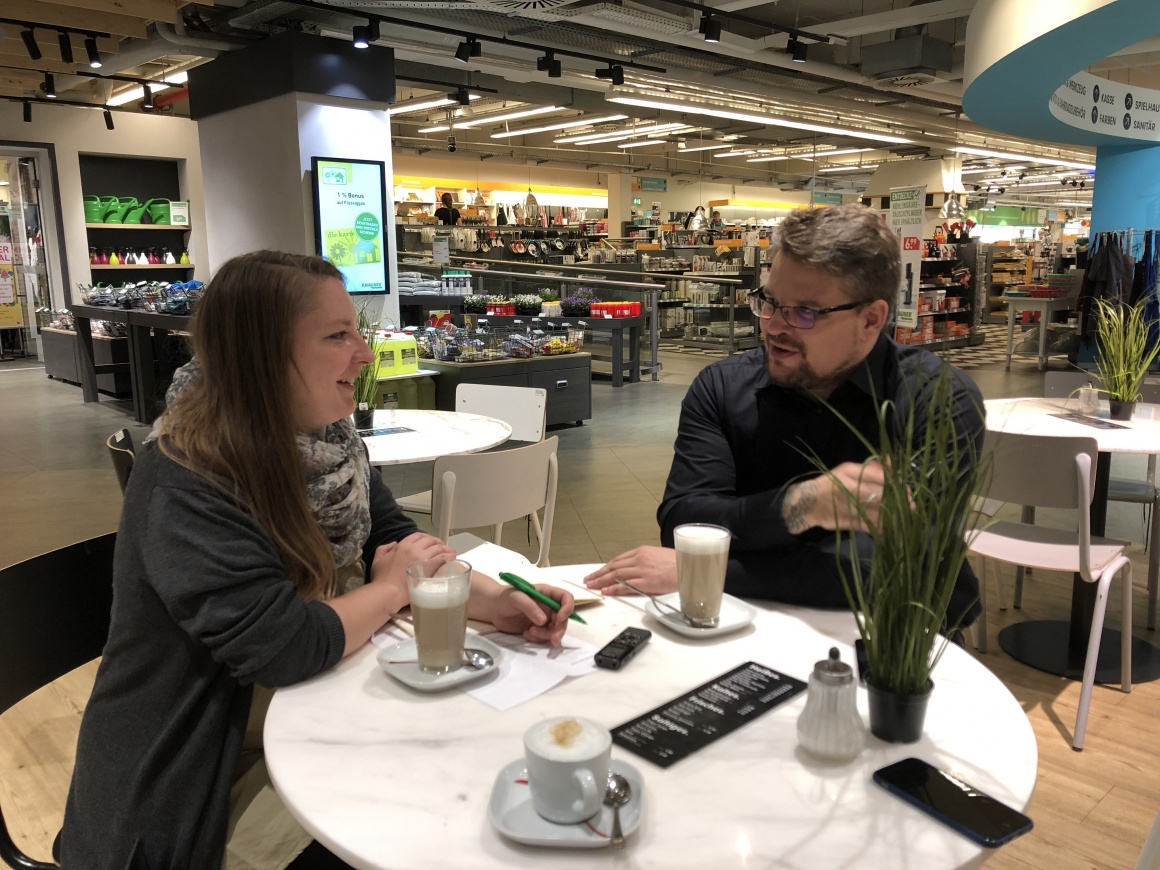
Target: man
[749, 422]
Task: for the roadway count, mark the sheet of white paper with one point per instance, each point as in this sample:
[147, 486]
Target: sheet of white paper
[530, 669]
[488, 558]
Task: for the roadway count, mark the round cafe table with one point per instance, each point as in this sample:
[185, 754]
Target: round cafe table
[422, 436]
[1055, 646]
[388, 777]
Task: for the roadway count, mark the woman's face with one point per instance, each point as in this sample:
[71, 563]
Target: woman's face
[328, 354]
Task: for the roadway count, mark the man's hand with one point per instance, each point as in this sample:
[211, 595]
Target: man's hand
[823, 501]
[650, 569]
[513, 612]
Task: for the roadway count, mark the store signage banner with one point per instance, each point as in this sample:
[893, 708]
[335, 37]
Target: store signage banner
[906, 215]
[9, 303]
[1089, 102]
[820, 197]
[655, 185]
[349, 206]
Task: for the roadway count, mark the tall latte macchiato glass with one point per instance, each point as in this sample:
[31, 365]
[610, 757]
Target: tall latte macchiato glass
[567, 760]
[439, 590]
[702, 557]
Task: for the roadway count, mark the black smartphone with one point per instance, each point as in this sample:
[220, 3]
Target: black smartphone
[975, 815]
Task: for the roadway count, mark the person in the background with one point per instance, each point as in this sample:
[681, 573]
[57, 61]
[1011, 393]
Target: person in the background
[749, 422]
[716, 224]
[448, 215]
[256, 549]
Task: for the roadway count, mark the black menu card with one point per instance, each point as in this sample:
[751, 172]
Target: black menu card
[682, 726]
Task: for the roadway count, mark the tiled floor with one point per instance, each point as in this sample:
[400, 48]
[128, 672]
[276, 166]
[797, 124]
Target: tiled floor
[1091, 809]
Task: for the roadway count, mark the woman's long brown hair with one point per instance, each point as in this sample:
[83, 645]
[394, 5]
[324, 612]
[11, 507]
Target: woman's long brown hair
[234, 426]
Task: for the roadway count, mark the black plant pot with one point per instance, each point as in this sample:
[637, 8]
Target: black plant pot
[898, 718]
[1121, 410]
[364, 419]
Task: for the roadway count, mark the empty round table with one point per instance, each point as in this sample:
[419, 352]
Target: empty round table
[409, 435]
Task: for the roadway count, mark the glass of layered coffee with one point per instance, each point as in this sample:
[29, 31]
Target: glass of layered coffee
[439, 590]
[702, 557]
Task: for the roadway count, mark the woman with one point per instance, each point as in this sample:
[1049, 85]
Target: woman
[448, 215]
[240, 568]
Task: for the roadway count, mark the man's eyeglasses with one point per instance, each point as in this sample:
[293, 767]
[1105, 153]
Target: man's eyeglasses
[797, 316]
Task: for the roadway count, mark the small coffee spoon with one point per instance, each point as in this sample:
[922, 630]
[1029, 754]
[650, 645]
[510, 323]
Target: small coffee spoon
[659, 604]
[616, 794]
[477, 658]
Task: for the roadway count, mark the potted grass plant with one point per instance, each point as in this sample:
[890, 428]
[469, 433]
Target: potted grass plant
[901, 597]
[1123, 353]
[366, 385]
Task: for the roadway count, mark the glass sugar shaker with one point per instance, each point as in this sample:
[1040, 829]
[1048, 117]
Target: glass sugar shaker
[830, 726]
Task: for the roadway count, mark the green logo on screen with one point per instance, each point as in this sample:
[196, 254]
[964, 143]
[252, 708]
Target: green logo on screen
[367, 226]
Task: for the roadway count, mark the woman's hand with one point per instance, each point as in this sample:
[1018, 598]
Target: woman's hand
[513, 612]
[392, 560]
[650, 569]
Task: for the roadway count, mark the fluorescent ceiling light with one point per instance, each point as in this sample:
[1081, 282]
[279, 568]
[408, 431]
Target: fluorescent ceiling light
[815, 155]
[642, 143]
[616, 135]
[438, 129]
[866, 166]
[992, 169]
[506, 116]
[736, 154]
[567, 125]
[1073, 202]
[1027, 158]
[767, 120]
[422, 105]
[708, 147]
[134, 94]
[765, 159]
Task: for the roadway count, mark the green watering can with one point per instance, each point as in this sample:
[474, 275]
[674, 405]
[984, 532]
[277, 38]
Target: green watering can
[108, 206]
[143, 213]
[92, 209]
[116, 214]
[158, 211]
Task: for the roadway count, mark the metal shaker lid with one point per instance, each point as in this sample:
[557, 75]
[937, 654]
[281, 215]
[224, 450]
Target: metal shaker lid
[833, 671]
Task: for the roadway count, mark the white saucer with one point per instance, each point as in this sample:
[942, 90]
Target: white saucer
[510, 811]
[735, 614]
[410, 675]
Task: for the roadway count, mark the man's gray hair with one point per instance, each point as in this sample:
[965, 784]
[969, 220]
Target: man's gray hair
[851, 243]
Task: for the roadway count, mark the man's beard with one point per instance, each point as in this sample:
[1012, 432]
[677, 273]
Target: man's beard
[806, 379]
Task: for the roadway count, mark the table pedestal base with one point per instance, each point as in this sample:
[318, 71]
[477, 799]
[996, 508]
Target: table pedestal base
[1043, 644]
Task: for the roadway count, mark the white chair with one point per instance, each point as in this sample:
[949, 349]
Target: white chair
[986, 508]
[525, 409]
[488, 489]
[1051, 472]
[1142, 492]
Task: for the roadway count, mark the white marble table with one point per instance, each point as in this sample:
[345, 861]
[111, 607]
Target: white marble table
[387, 777]
[433, 434]
[1044, 306]
[1055, 646]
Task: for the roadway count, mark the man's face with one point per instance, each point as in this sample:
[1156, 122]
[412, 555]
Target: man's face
[818, 359]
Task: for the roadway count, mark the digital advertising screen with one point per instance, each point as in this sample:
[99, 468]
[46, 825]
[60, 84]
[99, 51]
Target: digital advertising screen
[349, 200]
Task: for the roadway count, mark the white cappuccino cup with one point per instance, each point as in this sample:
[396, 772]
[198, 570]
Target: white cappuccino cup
[567, 759]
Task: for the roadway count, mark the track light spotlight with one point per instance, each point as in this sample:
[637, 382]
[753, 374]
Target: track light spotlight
[462, 97]
[30, 44]
[108, 119]
[373, 32]
[976, 187]
[1002, 190]
[49, 86]
[463, 52]
[27, 112]
[1074, 183]
[555, 69]
[66, 54]
[148, 101]
[797, 48]
[614, 72]
[1082, 184]
[94, 55]
[542, 63]
[360, 36]
[1063, 182]
[1022, 175]
[712, 29]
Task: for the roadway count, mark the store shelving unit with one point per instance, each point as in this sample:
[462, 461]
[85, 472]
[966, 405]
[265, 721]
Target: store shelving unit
[1004, 267]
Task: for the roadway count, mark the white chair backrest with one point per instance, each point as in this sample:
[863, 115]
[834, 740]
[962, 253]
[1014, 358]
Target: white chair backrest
[473, 490]
[523, 408]
[1060, 385]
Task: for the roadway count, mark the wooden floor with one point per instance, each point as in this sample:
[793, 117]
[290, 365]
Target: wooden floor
[1091, 809]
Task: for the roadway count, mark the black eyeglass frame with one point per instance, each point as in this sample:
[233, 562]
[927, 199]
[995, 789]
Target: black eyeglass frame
[758, 300]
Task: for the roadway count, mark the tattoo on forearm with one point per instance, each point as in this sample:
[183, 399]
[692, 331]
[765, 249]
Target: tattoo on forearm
[796, 506]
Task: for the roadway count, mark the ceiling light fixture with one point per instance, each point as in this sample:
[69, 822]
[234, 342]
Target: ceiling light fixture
[548, 63]
[147, 103]
[863, 168]
[66, 54]
[363, 36]
[108, 119]
[616, 135]
[642, 143]
[582, 122]
[461, 96]
[983, 169]
[708, 147]
[94, 55]
[711, 28]
[49, 86]
[27, 112]
[469, 48]
[716, 111]
[614, 72]
[29, 37]
[1026, 158]
[507, 116]
[424, 104]
[797, 48]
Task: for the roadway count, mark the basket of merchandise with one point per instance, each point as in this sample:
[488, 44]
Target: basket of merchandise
[562, 339]
[462, 346]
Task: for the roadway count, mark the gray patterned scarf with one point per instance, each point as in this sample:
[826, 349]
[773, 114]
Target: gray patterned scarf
[337, 477]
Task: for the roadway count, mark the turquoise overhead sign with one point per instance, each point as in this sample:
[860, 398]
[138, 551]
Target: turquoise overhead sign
[654, 185]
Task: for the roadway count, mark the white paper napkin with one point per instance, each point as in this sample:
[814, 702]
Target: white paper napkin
[530, 669]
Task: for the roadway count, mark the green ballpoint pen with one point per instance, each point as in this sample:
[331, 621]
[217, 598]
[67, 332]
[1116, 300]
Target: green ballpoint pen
[532, 592]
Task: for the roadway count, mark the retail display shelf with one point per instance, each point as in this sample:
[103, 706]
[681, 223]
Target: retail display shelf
[957, 341]
[938, 259]
[136, 227]
[95, 266]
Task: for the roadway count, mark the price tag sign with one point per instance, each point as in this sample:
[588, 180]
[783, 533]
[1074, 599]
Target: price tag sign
[441, 250]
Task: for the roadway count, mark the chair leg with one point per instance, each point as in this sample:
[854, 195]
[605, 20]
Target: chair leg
[497, 534]
[1153, 567]
[1126, 629]
[1019, 587]
[1093, 653]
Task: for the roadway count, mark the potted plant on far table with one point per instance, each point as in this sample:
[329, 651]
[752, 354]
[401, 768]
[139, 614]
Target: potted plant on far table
[527, 304]
[1123, 353]
[366, 384]
[900, 599]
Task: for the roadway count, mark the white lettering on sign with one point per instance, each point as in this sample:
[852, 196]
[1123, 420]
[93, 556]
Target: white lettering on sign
[1114, 109]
